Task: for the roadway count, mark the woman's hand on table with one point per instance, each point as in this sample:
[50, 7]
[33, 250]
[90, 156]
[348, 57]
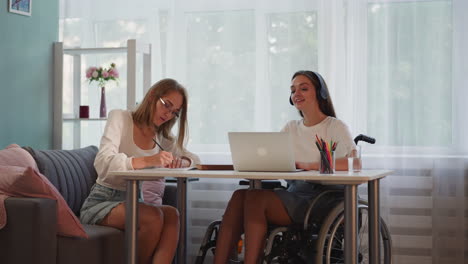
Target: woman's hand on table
[179, 162]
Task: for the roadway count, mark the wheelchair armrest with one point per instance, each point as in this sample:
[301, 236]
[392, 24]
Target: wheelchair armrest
[266, 184]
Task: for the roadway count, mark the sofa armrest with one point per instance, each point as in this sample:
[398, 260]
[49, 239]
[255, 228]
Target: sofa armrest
[30, 235]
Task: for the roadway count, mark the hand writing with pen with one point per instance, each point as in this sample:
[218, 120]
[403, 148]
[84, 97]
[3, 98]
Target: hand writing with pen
[167, 160]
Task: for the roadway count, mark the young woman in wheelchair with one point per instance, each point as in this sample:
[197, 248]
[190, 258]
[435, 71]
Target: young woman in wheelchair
[251, 211]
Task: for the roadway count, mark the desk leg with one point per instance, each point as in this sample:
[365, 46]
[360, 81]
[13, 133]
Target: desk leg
[351, 218]
[374, 221]
[131, 220]
[182, 207]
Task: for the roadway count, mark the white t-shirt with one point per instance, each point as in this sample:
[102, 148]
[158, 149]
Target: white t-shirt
[330, 128]
[117, 149]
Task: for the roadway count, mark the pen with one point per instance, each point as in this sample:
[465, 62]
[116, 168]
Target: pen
[158, 144]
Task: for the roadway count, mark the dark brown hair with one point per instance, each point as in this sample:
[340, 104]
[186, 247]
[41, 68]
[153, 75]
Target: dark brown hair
[325, 105]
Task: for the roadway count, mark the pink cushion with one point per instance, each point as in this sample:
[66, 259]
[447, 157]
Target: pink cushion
[153, 191]
[14, 155]
[28, 182]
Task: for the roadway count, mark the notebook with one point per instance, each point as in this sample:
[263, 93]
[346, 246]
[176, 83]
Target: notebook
[169, 169]
[262, 151]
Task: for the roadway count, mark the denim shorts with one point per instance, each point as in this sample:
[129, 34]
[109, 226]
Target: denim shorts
[101, 200]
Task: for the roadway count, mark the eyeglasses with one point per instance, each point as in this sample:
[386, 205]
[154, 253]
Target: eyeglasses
[169, 108]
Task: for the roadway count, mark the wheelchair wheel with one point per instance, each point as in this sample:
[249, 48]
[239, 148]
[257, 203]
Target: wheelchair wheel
[330, 244]
[208, 242]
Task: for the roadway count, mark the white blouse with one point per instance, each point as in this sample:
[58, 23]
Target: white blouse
[330, 128]
[117, 149]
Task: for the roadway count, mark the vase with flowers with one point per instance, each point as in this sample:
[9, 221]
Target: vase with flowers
[102, 76]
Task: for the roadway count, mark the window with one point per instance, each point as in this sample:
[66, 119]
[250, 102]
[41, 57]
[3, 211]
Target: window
[410, 73]
[388, 64]
[238, 65]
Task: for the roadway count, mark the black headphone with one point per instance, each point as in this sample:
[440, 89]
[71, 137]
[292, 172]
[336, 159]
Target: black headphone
[322, 88]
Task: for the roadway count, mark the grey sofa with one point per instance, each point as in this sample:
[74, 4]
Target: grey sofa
[30, 235]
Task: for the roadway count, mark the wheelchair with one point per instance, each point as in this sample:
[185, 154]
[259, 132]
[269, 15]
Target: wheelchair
[319, 239]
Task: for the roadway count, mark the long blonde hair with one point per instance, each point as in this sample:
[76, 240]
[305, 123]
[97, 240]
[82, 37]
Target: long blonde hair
[144, 114]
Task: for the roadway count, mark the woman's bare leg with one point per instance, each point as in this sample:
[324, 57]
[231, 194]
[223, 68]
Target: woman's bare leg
[231, 227]
[261, 207]
[167, 246]
[150, 224]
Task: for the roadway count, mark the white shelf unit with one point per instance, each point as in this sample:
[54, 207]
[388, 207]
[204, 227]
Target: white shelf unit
[132, 49]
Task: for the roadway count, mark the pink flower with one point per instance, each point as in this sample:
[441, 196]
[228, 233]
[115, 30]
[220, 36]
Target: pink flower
[102, 75]
[114, 73]
[89, 72]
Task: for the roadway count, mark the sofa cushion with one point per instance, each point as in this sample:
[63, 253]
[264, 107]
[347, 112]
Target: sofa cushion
[105, 245]
[14, 155]
[28, 182]
[70, 171]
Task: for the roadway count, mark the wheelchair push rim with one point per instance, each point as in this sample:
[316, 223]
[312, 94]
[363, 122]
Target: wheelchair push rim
[330, 246]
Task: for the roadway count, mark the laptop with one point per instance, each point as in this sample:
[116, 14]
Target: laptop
[262, 151]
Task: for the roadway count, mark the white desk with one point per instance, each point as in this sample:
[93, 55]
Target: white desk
[350, 180]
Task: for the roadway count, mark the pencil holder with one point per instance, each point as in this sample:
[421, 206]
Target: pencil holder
[327, 162]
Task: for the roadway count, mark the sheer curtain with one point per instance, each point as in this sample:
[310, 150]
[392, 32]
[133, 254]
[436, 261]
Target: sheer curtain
[396, 70]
